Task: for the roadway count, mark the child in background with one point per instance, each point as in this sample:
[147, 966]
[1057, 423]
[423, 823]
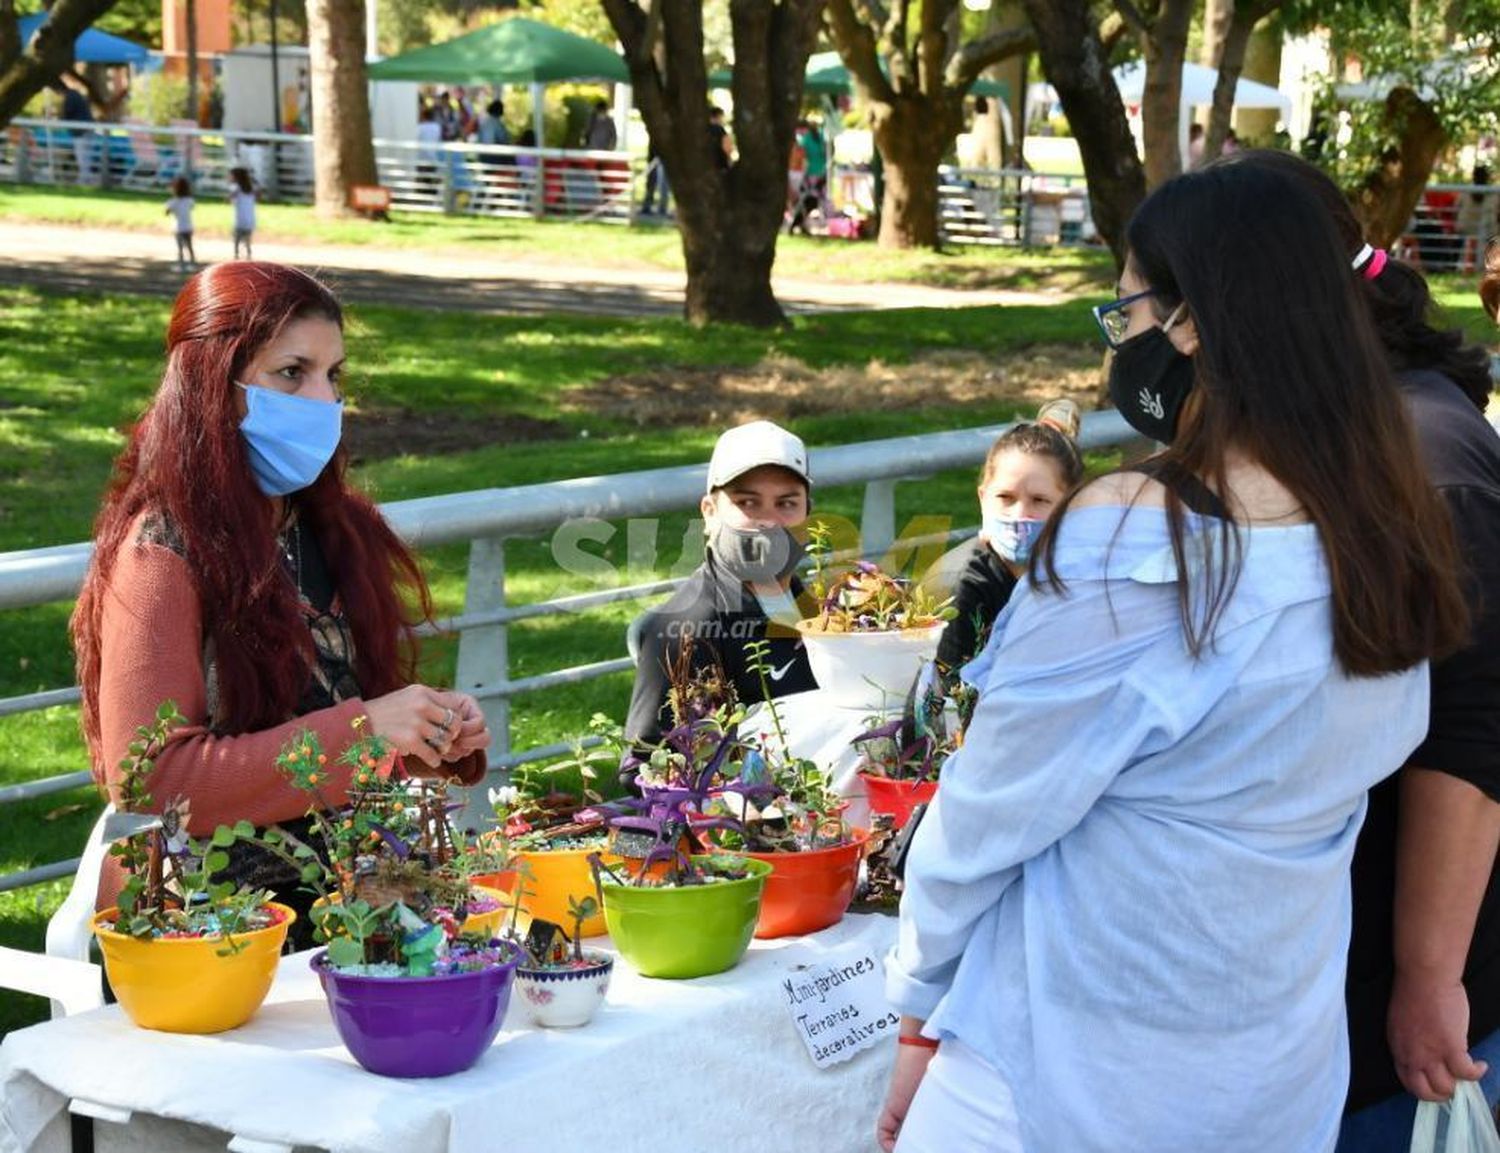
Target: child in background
[242, 197]
[181, 206]
[1028, 471]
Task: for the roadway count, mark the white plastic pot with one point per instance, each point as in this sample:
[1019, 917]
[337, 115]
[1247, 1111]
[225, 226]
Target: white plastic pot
[874, 670]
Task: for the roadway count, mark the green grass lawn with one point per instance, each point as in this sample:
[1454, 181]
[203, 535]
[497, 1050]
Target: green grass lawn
[75, 370]
[600, 245]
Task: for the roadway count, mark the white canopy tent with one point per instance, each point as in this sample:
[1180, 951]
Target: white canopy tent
[1198, 81]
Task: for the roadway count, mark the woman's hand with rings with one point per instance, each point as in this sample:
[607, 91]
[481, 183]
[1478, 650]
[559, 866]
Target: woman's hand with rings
[423, 723]
[469, 731]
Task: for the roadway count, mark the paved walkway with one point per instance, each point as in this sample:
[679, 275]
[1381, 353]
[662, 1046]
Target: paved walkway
[113, 260]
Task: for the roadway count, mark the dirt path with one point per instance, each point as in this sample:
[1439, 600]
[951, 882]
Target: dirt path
[115, 260]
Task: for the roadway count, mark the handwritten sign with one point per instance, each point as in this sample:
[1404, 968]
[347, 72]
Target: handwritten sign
[838, 1006]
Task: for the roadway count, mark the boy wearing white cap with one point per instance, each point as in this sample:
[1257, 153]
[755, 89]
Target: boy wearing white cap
[758, 490]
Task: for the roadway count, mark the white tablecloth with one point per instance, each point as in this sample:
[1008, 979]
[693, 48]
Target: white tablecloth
[711, 1065]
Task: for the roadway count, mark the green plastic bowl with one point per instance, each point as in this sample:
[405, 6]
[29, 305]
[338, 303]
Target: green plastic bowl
[686, 932]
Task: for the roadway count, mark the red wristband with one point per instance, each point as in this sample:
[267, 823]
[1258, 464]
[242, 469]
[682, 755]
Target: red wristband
[918, 1040]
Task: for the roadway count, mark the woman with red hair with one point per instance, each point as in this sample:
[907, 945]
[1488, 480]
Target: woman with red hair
[236, 573]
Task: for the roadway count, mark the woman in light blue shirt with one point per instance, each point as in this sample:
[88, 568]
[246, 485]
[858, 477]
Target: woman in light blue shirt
[1126, 914]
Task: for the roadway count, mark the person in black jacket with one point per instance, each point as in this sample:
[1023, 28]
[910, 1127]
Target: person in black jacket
[1029, 469]
[1423, 984]
[759, 488]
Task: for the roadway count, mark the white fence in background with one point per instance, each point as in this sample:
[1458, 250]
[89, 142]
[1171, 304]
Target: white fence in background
[1007, 207]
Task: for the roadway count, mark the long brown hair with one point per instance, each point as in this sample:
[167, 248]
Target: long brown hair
[186, 462]
[1291, 373]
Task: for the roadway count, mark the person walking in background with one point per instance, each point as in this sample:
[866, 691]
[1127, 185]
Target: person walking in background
[180, 207]
[492, 131]
[77, 110]
[723, 143]
[658, 190]
[600, 136]
[429, 136]
[796, 171]
[242, 199]
[812, 195]
[1195, 145]
[1128, 908]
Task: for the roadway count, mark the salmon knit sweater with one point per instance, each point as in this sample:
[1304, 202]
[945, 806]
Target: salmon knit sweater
[153, 650]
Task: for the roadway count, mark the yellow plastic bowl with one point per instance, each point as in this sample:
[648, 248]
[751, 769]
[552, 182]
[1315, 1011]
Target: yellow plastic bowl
[489, 922]
[556, 875]
[182, 985]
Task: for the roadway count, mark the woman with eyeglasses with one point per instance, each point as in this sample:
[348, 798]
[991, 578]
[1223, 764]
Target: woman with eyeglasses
[237, 574]
[1126, 912]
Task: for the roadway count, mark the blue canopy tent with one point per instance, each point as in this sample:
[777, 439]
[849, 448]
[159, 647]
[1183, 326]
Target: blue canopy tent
[93, 46]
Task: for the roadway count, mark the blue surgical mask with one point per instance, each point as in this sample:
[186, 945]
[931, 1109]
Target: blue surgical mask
[291, 438]
[1012, 537]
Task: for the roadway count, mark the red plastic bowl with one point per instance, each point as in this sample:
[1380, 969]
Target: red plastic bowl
[897, 798]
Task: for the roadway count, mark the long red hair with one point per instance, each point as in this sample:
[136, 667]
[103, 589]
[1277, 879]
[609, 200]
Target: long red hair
[187, 462]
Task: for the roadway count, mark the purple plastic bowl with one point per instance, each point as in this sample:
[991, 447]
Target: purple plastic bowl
[418, 1026]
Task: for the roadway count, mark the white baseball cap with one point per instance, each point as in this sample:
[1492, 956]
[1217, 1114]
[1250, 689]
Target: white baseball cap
[752, 445]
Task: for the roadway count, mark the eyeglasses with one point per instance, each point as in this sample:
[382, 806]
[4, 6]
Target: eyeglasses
[1113, 319]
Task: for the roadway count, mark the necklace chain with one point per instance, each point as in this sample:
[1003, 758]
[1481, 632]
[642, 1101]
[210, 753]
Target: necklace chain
[291, 549]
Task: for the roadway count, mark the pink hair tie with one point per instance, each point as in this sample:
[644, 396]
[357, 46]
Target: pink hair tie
[1368, 261]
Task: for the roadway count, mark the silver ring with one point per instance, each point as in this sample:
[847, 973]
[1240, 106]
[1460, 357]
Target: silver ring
[447, 719]
[433, 743]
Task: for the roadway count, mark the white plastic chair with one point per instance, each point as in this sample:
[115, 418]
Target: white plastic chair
[64, 973]
[68, 932]
[72, 986]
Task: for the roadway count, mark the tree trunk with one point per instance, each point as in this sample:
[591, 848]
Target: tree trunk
[729, 218]
[1231, 63]
[729, 276]
[25, 73]
[343, 151]
[1161, 102]
[1389, 195]
[917, 110]
[1216, 17]
[912, 135]
[1076, 64]
[191, 12]
[1262, 63]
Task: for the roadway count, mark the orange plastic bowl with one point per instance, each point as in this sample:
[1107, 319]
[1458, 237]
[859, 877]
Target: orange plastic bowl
[809, 891]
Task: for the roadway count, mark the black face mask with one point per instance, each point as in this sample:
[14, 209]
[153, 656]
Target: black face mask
[1148, 382]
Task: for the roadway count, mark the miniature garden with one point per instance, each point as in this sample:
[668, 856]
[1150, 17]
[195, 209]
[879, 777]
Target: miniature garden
[424, 930]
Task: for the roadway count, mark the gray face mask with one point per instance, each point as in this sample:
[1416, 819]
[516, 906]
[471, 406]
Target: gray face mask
[757, 556]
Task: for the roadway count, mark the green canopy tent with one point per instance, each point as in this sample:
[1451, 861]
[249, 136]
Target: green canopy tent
[515, 51]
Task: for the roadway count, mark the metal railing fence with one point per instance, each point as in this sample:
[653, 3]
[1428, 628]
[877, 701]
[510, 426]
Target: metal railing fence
[486, 518]
[976, 206]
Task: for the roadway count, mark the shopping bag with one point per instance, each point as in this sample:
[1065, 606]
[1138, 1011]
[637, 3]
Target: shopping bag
[1463, 1124]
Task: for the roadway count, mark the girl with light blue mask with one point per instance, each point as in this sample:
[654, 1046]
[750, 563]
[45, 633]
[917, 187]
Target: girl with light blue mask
[1028, 471]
